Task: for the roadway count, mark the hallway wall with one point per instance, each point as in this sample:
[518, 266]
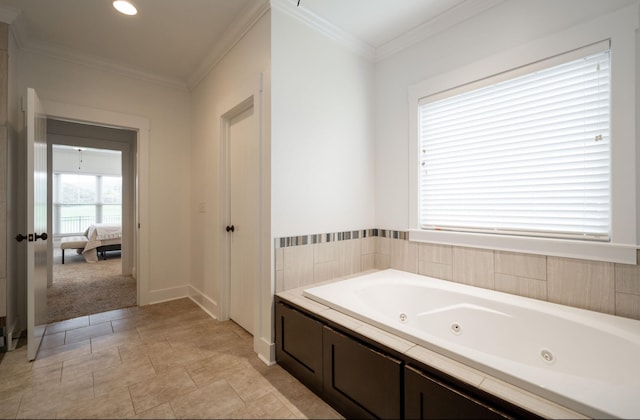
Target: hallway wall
[167, 110]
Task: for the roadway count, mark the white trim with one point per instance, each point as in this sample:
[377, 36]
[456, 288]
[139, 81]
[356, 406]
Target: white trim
[313, 21]
[619, 26]
[168, 294]
[457, 14]
[141, 125]
[207, 304]
[231, 36]
[266, 351]
[595, 251]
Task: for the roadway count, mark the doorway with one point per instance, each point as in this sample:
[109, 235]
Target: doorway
[91, 197]
[241, 143]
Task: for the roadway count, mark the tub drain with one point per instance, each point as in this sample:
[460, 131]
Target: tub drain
[547, 355]
[456, 328]
[403, 318]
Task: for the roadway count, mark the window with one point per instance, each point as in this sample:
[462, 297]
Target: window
[83, 200]
[527, 153]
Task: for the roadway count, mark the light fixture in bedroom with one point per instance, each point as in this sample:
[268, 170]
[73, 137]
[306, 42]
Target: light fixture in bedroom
[125, 7]
[79, 149]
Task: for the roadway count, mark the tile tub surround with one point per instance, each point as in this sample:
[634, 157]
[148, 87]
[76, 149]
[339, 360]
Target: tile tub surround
[599, 286]
[168, 360]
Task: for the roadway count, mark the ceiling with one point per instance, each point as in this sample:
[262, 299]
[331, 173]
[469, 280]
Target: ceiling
[170, 39]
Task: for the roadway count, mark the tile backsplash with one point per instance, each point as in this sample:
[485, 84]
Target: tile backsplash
[599, 286]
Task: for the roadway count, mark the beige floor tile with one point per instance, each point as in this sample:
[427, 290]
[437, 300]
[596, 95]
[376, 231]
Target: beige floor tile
[106, 359]
[104, 342]
[68, 324]
[45, 402]
[105, 380]
[9, 406]
[169, 360]
[248, 383]
[164, 387]
[108, 316]
[269, 406]
[113, 405]
[212, 369]
[163, 411]
[91, 331]
[216, 400]
[52, 340]
[61, 353]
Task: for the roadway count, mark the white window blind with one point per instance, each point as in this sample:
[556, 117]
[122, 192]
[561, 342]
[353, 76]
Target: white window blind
[525, 156]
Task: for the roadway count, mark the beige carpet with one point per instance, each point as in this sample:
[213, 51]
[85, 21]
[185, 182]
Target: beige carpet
[80, 288]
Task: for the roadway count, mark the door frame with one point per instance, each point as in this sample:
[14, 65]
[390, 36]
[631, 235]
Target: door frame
[251, 89]
[225, 136]
[140, 240]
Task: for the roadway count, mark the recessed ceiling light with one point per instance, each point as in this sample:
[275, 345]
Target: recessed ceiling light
[125, 7]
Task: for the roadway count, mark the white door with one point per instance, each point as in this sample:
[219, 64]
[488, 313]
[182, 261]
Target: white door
[36, 128]
[244, 202]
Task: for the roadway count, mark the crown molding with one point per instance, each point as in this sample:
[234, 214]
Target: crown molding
[242, 24]
[325, 27]
[70, 56]
[458, 14]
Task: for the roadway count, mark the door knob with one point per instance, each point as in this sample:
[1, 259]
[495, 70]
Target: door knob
[44, 236]
[21, 237]
[231, 228]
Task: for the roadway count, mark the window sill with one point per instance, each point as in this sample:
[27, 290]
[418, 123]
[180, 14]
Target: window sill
[596, 251]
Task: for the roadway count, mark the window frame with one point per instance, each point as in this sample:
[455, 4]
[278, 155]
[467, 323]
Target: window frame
[619, 29]
[97, 205]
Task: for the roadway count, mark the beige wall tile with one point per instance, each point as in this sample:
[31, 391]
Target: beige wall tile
[279, 256]
[404, 255]
[441, 254]
[325, 271]
[368, 245]
[581, 283]
[473, 266]
[521, 286]
[349, 253]
[298, 266]
[521, 265]
[627, 278]
[431, 269]
[325, 252]
[628, 305]
[280, 281]
[368, 262]
[383, 246]
[382, 261]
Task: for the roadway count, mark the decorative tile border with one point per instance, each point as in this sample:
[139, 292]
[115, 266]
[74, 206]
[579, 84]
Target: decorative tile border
[339, 236]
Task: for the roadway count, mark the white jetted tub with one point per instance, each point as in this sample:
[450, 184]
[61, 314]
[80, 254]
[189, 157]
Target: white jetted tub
[584, 360]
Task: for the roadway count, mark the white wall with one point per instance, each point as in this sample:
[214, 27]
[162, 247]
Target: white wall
[507, 26]
[94, 161]
[322, 133]
[235, 78]
[167, 110]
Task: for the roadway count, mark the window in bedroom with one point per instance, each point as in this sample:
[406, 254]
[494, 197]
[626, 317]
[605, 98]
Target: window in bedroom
[81, 200]
[527, 153]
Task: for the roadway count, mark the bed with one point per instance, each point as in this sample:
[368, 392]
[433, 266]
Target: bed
[100, 239]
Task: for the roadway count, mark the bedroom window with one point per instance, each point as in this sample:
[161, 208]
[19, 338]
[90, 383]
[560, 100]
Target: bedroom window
[83, 200]
[525, 153]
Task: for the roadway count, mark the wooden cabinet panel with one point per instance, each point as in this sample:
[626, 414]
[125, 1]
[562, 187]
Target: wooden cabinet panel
[360, 381]
[428, 398]
[299, 345]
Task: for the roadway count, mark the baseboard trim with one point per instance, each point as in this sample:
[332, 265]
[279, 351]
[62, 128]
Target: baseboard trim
[164, 295]
[266, 351]
[207, 304]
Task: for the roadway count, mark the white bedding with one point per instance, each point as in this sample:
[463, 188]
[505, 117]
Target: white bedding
[100, 235]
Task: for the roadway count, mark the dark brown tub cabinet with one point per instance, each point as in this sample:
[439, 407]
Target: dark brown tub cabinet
[364, 379]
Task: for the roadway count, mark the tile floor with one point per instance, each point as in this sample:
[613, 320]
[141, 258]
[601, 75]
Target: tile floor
[169, 360]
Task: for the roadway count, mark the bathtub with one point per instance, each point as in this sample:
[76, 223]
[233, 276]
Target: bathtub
[584, 360]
